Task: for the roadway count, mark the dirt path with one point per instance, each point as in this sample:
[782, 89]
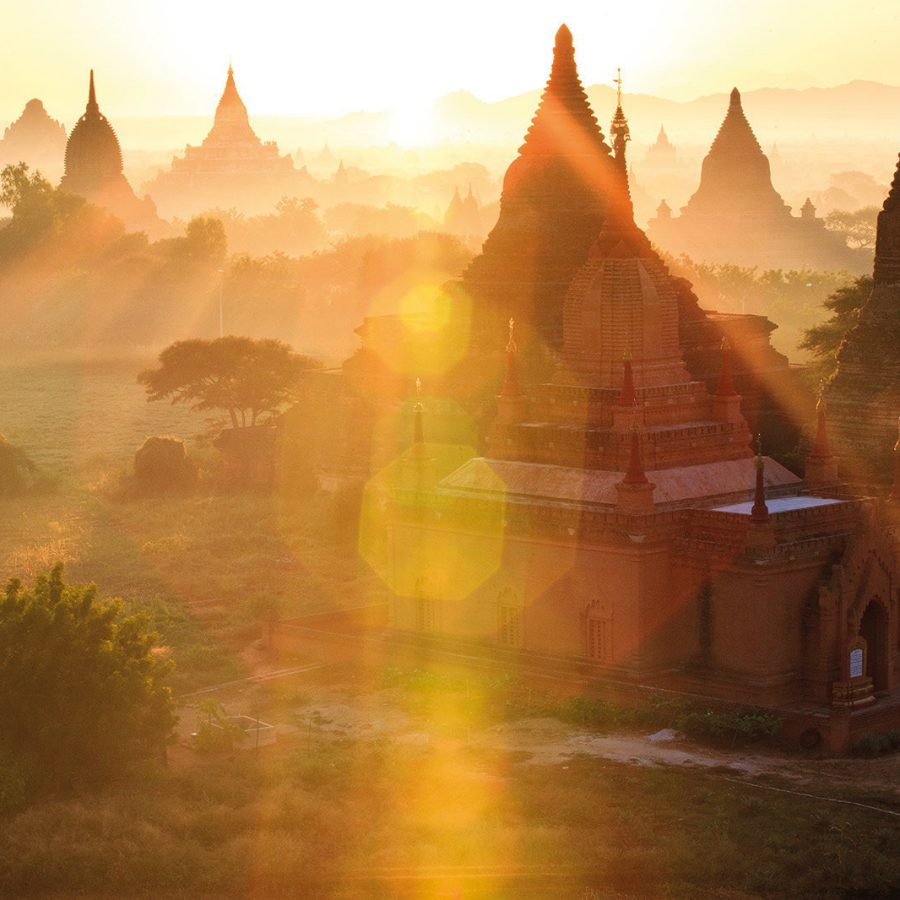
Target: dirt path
[334, 711]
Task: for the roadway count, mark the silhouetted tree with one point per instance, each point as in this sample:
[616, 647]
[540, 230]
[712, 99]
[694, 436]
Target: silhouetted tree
[857, 227]
[244, 377]
[824, 339]
[82, 693]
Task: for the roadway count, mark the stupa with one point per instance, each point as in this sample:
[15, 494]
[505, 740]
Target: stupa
[93, 170]
[231, 168]
[864, 394]
[36, 139]
[661, 154]
[551, 209]
[736, 215]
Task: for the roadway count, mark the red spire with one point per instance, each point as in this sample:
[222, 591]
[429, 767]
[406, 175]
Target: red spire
[635, 473]
[511, 383]
[726, 380]
[627, 396]
[759, 514]
[821, 449]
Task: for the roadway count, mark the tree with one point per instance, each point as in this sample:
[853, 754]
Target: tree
[82, 693]
[247, 378]
[857, 227]
[824, 339]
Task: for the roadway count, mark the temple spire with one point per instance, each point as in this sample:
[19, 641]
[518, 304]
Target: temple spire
[821, 448]
[92, 107]
[726, 379]
[635, 473]
[618, 130]
[759, 514]
[511, 382]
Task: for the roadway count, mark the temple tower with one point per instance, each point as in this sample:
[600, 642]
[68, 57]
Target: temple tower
[736, 215]
[232, 167]
[35, 138]
[551, 209]
[93, 170]
[864, 393]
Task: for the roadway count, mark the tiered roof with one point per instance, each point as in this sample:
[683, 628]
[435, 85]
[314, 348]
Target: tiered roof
[93, 155]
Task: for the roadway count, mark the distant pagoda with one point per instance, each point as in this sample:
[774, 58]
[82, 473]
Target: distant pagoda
[551, 209]
[93, 170]
[662, 154]
[864, 394]
[463, 216]
[36, 139]
[737, 216]
[231, 168]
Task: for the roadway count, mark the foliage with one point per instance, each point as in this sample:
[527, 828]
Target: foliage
[741, 726]
[824, 339]
[790, 299]
[857, 227]
[871, 744]
[244, 377]
[82, 693]
[16, 469]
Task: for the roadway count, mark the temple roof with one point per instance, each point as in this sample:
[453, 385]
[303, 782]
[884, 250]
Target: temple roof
[35, 128]
[735, 176]
[564, 121]
[93, 155]
[551, 209]
[232, 123]
[887, 241]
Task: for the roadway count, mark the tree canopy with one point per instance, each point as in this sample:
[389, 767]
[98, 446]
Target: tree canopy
[81, 691]
[858, 228]
[824, 339]
[247, 378]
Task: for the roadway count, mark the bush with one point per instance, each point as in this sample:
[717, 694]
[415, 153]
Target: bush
[743, 726]
[161, 465]
[81, 691]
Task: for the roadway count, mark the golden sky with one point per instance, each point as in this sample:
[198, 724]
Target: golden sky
[168, 57]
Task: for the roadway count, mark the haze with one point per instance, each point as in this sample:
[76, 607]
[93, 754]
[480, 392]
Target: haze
[168, 58]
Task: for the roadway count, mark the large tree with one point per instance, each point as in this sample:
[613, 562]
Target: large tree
[247, 378]
[82, 692]
[824, 339]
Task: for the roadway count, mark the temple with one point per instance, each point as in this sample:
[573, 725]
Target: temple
[93, 170]
[36, 139]
[864, 393]
[736, 216]
[620, 521]
[661, 154]
[231, 168]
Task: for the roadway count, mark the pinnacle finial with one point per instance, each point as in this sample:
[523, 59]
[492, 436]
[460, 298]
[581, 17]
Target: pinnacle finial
[92, 95]
[759, 513]
[735, 98]
[563, 38]
[617, 81]
[511, 343]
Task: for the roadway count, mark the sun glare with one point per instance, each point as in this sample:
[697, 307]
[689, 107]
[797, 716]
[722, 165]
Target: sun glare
[414, 125]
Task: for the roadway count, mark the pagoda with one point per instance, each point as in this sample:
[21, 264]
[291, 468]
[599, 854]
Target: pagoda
[864, 393]
[93, 170]
[736, 215]
[620, 525]
[662, 153]
[551, 209]
[36, 139]
[231, 168]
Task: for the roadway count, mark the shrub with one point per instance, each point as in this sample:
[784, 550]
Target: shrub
[161, 465]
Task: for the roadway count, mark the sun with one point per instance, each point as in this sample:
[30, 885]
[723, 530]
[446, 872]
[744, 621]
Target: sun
[414, 125]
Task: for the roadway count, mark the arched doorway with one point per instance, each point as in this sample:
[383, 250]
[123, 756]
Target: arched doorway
[873, 628]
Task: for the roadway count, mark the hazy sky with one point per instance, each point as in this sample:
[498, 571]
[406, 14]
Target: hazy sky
[169, 56]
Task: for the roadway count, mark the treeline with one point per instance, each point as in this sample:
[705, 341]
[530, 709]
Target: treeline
[70, 276]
